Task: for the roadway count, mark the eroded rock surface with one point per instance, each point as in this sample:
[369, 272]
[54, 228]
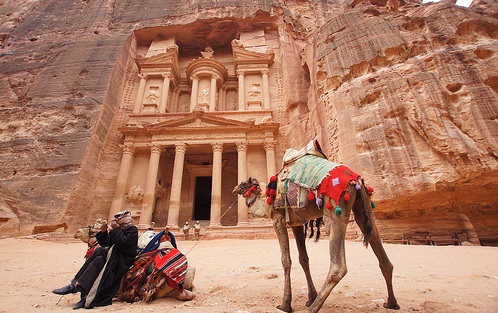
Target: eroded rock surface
[404, 93]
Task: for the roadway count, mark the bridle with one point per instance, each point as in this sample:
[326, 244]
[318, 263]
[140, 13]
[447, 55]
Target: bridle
[89, 228]
[254, 189]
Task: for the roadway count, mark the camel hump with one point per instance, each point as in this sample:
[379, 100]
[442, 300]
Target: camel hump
[312, 148]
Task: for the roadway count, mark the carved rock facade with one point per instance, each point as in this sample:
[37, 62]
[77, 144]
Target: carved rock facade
[93, 91]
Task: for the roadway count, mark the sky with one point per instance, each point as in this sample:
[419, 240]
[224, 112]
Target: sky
[463, 3]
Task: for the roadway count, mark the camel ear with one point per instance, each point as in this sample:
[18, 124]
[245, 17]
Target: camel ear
[249, 179]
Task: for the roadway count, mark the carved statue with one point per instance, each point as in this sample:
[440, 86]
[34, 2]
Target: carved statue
[255, 90]
[207, 53]
[237, 43]
[152, 94]
[203, 96]
[135, 195]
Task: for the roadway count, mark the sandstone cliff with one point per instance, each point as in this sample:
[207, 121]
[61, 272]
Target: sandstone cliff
[402, 92]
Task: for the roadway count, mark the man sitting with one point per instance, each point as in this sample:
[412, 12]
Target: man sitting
[99, 278]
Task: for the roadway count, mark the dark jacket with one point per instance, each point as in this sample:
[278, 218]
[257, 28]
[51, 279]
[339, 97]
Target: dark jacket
[122, 246]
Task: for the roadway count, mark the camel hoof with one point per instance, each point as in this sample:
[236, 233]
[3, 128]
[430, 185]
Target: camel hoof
[284, 308]
[391, 306]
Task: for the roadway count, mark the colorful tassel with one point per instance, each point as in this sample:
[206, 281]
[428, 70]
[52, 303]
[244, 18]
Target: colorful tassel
[338, 210]
[329, 206]
[370, 189]
[358, 187]
[373, 204]
[269, 200]
[311, 196]
[346, 196]
[319, 202]
[273, 193]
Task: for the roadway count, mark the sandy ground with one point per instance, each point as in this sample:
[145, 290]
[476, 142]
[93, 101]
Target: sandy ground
[245, 276]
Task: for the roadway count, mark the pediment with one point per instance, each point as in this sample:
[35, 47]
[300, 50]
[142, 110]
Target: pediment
[198, 120]
[169, 57]
[244, 56]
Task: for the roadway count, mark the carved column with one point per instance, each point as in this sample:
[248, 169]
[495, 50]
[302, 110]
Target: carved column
[242, 176]
[122, 180]
[216, 185]
[150, 186]
[212, 94]
[270, 158]
[176, 98]
[242, 100]
[195, 90]
[176, 185]
[266, 89]
[140, 94]
[164, 93]
[220, 99]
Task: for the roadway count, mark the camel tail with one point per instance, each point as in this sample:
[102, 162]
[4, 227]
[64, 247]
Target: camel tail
[366, 212]
[311, 224]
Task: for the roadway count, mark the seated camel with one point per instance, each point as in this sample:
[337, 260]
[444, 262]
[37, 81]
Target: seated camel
[160, 270]
[87, 235]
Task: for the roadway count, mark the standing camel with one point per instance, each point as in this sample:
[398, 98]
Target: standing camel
[355, 197]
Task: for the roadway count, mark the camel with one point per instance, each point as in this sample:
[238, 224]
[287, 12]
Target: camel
[355, 197]
[87, 235]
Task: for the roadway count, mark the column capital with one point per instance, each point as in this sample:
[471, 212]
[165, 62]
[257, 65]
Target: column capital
[155, 148]
[194, 77]
[143, 75]
[167, 75]
[269, 145]
[241, 72]
[181, 147]
[265, 71]
[217, 147]
[242, 146]
[128, 148]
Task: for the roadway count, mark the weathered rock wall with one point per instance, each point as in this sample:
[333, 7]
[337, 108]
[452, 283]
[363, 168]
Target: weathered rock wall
[410, 101]
[407, 96]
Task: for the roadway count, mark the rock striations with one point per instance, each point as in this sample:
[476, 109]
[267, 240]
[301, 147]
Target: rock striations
[405, 93]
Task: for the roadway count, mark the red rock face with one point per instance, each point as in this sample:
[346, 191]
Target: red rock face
[411, 103]
[403, 93]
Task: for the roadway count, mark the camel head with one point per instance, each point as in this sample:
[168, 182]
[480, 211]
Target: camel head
[244, 186]
[254, 194]
[87, 234]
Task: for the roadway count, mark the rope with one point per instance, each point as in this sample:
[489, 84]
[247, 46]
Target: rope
[209, 227]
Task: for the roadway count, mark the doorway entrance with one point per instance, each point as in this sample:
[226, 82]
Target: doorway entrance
[202, 199]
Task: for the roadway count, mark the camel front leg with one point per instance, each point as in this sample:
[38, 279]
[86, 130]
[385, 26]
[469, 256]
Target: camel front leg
[338, 268]
[283, 239]
[305, 262]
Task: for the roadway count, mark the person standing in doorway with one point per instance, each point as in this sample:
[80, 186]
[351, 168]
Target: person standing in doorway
[186, 231]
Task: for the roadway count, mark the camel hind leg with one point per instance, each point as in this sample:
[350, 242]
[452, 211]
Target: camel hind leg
[375, 241]
[337, 229]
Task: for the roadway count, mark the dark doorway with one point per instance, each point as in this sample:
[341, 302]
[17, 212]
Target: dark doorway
[202, 200]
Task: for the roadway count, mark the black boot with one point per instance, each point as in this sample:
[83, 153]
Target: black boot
[79, 305]
[65, 290]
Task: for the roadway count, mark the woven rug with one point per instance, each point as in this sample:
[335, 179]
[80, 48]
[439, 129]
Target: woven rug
[309, 171]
